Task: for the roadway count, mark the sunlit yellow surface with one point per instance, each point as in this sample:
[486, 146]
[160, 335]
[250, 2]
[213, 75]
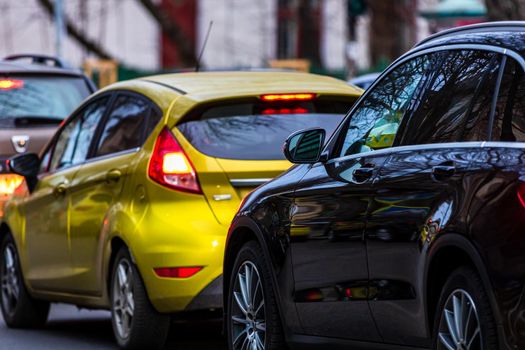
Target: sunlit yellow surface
[66, 241]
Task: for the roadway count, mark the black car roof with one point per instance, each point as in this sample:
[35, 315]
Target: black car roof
[509, 35]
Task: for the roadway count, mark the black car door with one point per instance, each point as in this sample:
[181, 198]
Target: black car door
[329, 214]
[419, 189]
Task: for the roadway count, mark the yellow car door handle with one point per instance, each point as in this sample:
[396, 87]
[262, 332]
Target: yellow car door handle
[113, 175]
[60, 189]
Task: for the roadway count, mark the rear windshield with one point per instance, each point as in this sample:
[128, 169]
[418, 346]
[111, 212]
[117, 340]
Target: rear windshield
[257, 130]
[39, 97]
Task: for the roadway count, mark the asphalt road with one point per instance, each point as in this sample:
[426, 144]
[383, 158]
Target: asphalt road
[69, 328]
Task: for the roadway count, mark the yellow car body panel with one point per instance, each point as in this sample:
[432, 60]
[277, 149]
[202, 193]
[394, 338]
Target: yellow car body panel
[161, 227]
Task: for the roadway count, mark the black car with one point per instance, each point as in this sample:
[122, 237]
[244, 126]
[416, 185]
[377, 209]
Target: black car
[406, 229]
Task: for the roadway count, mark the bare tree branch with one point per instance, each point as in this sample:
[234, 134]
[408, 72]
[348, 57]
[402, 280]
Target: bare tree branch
[507, 10]
[74, 32]
[174, 33]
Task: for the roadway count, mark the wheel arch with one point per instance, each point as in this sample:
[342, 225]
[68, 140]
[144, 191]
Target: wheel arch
[245, 230]
[115, 244]
[4, 230]
[446, 254]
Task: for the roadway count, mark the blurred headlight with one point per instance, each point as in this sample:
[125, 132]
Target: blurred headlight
[9, 183]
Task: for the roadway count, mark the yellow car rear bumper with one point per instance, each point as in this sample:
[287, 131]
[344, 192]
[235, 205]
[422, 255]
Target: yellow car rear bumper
[193, 239]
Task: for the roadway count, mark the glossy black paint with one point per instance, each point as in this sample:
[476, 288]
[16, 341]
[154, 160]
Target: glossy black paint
[358, 255]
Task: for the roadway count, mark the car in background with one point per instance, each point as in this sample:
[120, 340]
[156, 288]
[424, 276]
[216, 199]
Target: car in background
[141, 183]
[405, 230]
[364, 81]
[36, 93]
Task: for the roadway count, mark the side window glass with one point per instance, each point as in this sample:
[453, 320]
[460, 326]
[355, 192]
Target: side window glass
[374, 124]
[456, 103]
[44, 162]
[125, 127]
[72, 146]
[509, 120]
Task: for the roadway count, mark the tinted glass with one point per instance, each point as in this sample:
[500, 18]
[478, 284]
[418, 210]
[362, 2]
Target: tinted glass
[456, 102]
[39, 97]
[73, 144]
[125, 127]
[374, 124]
[509, 121]
[306, 146]
[44, 163]
[258, 130]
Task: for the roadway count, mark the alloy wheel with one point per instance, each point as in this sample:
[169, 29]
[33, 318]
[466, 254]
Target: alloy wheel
[123, 299]
[459, 327]
[247, 311]
[9, 279]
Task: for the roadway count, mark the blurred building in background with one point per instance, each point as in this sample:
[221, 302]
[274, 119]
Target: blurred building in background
[339, 37]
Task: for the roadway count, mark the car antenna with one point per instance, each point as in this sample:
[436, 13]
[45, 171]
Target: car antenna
[198, 66]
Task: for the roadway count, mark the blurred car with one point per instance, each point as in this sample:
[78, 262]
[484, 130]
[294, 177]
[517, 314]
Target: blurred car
[36, 93]
[141, 183]
[405, 229]
[364, 81]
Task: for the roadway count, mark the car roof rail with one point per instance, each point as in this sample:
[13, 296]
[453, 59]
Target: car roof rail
[477, 28]
[39, 59]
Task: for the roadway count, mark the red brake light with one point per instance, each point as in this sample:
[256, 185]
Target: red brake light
[9, 84]
[177, 272]
[298, 110]
[170, 166]
[288, 97]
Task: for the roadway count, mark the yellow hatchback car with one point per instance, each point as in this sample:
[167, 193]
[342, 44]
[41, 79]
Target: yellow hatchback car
[129, 205]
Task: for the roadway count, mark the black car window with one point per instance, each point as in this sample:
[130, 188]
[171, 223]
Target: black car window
[374, 124]
[73, 143]
[126, 125]
[456, 102]
[509, 119]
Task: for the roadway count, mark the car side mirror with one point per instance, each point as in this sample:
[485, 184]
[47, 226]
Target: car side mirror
[305, 146]
[26, 165]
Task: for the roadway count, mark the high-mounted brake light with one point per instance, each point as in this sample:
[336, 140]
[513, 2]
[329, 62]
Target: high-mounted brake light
[288, 97]
[170, 166]
[298, 110]
[9, 84]
[177, 272]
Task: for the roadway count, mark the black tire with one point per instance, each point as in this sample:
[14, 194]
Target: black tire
[147, 329]
[465, 284]
[251, 253]
[21, 311]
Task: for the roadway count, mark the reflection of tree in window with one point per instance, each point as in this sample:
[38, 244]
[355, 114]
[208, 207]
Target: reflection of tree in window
[509, 123]
[454, 101]
[374, 124]
[255, 137]
[73, 144]
[124, 128]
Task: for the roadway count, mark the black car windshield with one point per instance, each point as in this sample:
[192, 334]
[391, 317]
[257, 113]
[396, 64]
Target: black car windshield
[253, 132]
[50, 97]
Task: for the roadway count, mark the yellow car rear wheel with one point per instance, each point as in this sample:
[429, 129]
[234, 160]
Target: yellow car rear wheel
[136, 324]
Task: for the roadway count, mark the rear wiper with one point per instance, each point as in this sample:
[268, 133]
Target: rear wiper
[35, 121]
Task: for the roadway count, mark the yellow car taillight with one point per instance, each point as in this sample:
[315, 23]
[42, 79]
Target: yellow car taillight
[9, 183]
